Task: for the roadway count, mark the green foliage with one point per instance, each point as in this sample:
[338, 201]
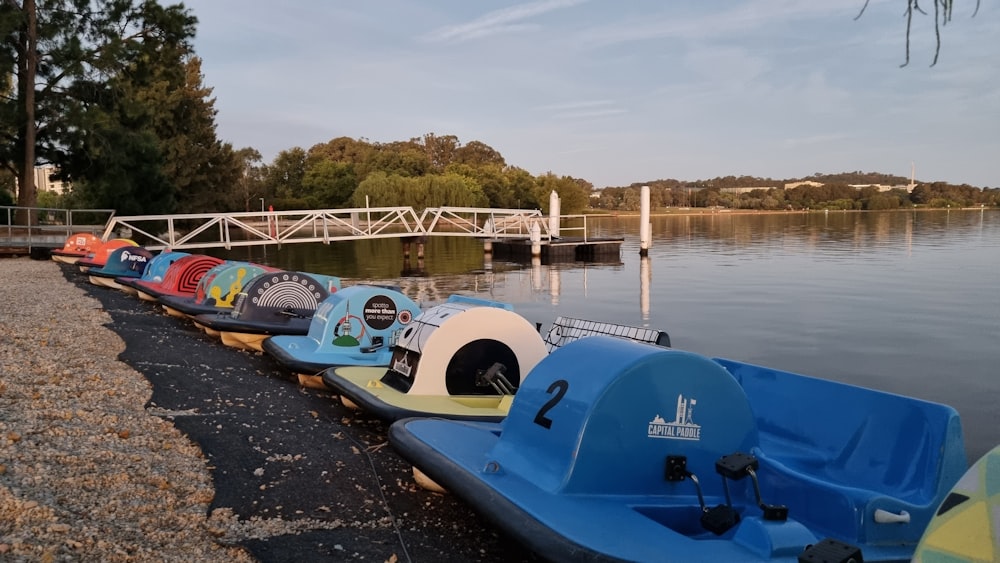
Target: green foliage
[341, 149]
[330, 182]
[50, 200]
[283, 178]
[250, 184]
[203, 171]
[380, 190]
[478, 154]
[574, 195]
[845, 191]
[433, 190]
[427, 171]
[404, 159]
[881, 202]
[124, 172]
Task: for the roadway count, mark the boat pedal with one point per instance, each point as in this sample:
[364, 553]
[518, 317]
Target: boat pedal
[830, 550]
[717, 520]
[720, 519]
[376, 345]
[738, 465]
[495, 377]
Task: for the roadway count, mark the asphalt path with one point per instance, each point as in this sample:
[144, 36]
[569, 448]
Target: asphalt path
[279, 452]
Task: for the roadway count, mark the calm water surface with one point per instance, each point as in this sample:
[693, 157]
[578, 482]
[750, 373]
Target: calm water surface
[907, 302]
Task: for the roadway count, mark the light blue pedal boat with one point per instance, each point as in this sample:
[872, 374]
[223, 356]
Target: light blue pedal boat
[356, 326]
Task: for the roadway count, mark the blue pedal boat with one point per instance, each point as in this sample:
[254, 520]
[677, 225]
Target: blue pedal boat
[463, 359]
[216, 290]
[155, 270]
[124, 262]
[272, 303]
[615, 450]
[356, 326]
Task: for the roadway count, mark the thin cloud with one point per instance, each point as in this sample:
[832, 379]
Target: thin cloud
[583, 109]
[588, 114]
[575, 105]
[814, 140]
[507, 20]
[747, 17]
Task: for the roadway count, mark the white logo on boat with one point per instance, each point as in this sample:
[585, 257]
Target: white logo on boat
[127, 256]
[402, 366]
[682, 427]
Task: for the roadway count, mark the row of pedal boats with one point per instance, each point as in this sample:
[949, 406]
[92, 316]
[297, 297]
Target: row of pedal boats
[595, 441]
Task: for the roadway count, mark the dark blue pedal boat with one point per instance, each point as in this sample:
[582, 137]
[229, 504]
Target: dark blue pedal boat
[126, 262]
[356, 326]
[615, 450]
[281, 302]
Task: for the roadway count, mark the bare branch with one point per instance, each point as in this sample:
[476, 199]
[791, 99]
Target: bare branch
[863, 8]
[909, 22]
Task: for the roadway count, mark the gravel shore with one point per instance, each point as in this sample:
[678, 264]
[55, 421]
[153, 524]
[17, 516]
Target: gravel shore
[128, 435]
[85, 472]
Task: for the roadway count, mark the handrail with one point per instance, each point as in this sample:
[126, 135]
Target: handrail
[324, 225]
[46, 224]
[208, 230]
[583, 228]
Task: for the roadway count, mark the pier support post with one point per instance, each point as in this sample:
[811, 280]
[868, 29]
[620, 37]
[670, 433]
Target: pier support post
[487, 246]
[645, 229]
[554, 213]
[536, 240]
[644, 278]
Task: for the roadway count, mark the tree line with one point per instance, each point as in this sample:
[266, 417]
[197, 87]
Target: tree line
[844, 191]
[428, 171]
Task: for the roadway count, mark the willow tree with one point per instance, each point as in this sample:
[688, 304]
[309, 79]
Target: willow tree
[942, 15]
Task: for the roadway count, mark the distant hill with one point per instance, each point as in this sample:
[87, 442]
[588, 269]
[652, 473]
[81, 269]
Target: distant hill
[845, 178]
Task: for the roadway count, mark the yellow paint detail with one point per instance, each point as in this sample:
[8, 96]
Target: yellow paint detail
[234, 290]
[374, 384]
[966, 534]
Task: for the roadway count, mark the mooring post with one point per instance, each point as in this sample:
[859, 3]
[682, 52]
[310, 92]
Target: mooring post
[645, 229]
[536, 240]
[554, 214]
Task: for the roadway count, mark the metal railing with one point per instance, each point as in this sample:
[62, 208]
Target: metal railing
[48, 227]
[251, 228]
[207, 230]
[582, 228]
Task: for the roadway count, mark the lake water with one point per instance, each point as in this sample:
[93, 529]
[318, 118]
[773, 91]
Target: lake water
[906, 302]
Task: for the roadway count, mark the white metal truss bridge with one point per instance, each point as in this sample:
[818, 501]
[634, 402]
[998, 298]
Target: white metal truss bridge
[211, 230]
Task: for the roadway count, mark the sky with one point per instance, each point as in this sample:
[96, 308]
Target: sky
[618, 92]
